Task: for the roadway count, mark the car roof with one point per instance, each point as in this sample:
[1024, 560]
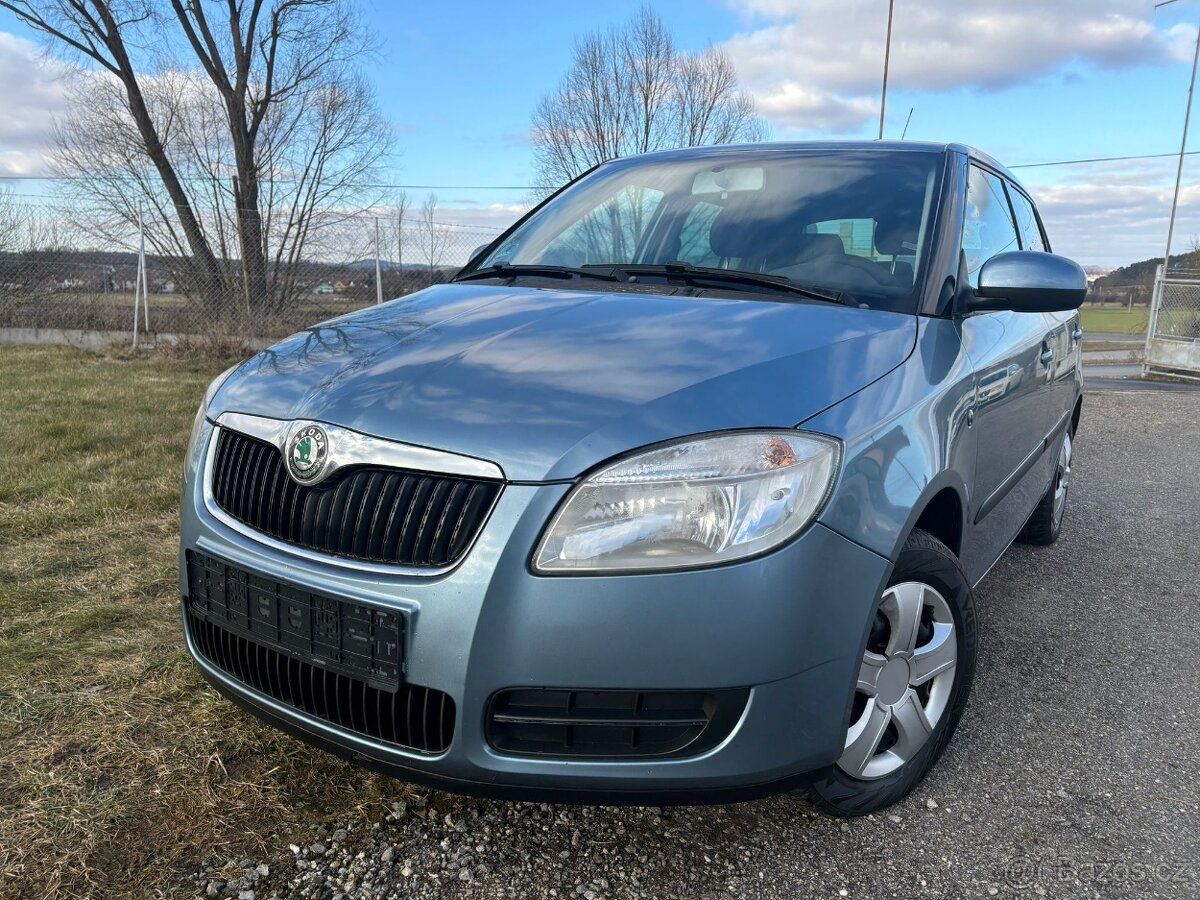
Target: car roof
[793, 146]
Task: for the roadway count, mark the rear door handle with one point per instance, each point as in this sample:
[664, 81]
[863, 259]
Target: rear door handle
[1077, 334]
[1047, 354]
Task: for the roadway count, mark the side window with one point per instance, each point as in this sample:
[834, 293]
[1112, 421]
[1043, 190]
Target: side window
[1027, 223]
[988, 226]
[612, 231]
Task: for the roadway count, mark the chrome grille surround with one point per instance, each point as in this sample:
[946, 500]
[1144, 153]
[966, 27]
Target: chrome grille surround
[348, 448]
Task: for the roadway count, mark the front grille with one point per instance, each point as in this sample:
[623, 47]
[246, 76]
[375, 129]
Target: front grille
[612, 724]
[369, 513]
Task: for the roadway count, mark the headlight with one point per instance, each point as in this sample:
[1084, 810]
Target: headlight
[692, 503]
[200, 426]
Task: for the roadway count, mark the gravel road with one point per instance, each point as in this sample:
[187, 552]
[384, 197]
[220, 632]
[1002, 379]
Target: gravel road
[1073, 773]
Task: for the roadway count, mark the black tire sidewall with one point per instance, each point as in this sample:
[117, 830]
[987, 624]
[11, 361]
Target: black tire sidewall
[1041, 530]
[927, 560]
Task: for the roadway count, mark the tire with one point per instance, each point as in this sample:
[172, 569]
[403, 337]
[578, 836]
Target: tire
[870, 776]
[1045, 524]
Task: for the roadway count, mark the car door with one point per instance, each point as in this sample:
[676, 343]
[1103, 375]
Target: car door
[1063, 333]
[1013, 360]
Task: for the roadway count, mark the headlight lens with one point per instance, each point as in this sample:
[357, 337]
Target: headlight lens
[693, 503]
[200, 426]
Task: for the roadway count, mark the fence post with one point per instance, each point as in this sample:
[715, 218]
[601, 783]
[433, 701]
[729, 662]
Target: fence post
[137, 287]
[1155, 302]
[378, 273]
[145, 272]
[140, 278]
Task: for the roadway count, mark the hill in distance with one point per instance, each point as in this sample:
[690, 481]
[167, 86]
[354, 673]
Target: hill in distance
[1141, 274]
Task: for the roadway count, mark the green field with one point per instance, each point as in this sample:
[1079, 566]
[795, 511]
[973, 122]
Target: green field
[1115, 319]
[122, 770]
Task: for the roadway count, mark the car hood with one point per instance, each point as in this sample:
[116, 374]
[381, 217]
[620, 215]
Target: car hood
[547, 383]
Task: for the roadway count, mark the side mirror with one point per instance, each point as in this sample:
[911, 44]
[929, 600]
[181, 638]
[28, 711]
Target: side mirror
[474, 253]
[1029, 281]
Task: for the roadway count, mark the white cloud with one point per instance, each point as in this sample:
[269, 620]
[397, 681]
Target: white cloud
[1113, 214]
[794, 106]
[33, 91]
[815, 65]
[481, 215]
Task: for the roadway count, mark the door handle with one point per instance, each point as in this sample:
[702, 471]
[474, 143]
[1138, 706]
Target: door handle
[1047, 354]
[1077, 334]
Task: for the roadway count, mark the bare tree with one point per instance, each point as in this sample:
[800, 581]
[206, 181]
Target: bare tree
[630, 90]
[434, 236]
[400, 205]
[235, 121]
[10, 220]
[28, 229]
[711, 109]
[11, 216]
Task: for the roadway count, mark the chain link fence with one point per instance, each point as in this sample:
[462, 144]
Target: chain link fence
[73, 281]
[1173, 342]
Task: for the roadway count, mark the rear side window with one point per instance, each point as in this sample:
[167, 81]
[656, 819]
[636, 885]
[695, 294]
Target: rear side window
[1027, 222]
[988, 227]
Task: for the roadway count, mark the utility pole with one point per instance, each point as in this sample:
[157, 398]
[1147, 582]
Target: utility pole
[887, 57]
[1187, 116]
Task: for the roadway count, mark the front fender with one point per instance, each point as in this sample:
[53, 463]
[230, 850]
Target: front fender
[907, 437]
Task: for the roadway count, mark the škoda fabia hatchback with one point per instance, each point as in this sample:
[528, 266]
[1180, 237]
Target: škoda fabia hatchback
[676, 493]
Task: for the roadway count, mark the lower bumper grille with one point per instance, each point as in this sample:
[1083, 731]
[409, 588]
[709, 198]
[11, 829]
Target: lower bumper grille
[414, 717]
[612, 724]
[320, 655]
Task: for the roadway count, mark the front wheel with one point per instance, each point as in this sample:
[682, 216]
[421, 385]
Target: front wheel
[912, 683]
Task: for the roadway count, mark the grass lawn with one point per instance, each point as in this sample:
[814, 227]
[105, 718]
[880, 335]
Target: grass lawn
[1115, 319]
[121, 769]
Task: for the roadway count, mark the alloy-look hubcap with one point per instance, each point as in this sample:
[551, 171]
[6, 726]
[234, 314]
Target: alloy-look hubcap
[904, 682]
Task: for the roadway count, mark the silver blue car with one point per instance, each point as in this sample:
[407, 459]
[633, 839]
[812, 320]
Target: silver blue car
[676, 493]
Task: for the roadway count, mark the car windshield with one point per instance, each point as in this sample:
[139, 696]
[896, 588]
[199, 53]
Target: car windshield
[849, 222]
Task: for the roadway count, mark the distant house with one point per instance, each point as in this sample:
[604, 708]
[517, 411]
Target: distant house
[324, 289]
[340, 287]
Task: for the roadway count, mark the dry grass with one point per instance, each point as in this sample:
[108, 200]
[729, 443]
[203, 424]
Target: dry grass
[119, 769]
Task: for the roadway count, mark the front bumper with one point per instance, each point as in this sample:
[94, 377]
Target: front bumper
[790, 626]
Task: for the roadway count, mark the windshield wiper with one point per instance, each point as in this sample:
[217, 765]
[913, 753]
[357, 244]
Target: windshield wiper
[511, 270]
[693, 274]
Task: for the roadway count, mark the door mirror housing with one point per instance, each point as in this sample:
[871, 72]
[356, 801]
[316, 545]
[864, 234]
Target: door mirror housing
[1029, 281]
[474, 255]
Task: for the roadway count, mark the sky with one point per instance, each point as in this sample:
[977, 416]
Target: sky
[1028, 81]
